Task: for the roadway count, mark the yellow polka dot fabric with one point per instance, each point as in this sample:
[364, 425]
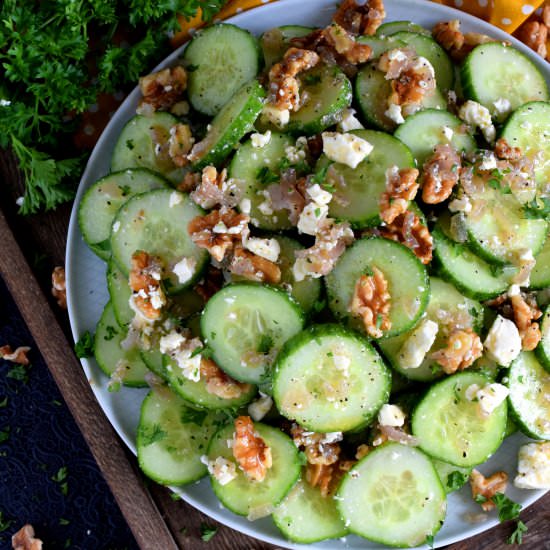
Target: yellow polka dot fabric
[506, 14]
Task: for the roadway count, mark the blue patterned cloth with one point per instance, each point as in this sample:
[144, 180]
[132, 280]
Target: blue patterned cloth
[47, 475]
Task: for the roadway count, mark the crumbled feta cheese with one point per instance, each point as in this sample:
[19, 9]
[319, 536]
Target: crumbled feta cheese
[260, 407]
[462, 204]
[19, 201]
[525, 261]
[345, 148]
[349, 122]
[502, 106]
[447, 133]
[395, 113]
[318, 194]
[157, 297]
[514, 290]
[294, 154]
[266, 207]
[300, 270]
[279, 117]
[341, 359]
[477, 115]
[488, 162]
[490, 397]
[266, 248]
[5, 102]
[260, 140]
[182, 350]
[171, 341]
[245, 205]
[116, 227]
[471, 392]
[331, 437]
[223, 470]
[185, 269]
[533, 466]
[312, 218]
[503, 342]
[397, 55]
[175, 198]
[418, 344]
[391, 415]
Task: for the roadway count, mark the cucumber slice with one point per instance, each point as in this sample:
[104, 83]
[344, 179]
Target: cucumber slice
[244, 496]
[452, 477]
[540, 276]
[449, 426]
[409, 295]
[329, 379]
[393, 496]
[528, 128]
[143, 143]
[306, 516]
[494, 71]
[422, 131]
[358, 190]
[235, 119]
[392, 27]
[542, 351]
[498, 228]
[380, 44]
[248, 168]
[157, 223]
[196, 393]
[246, 324]
[529, 385]
[153, 359]
[428, 48]
[468, 272]
[111, 357]
[329, 92]
[171, 438]
[371, 92]
[120, 293]
[224, 58]
[448, 308]
[102, 200]
[275, 42]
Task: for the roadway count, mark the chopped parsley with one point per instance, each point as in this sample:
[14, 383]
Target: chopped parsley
[85, 346]
[151, 434]
[537, 209]
[4, 434]
[265, 344]
[111, 332]
[61, 478]
[19, 372]
[456, 479]
[517, 535]
[192, 416]
[265, 176]
[207, 532]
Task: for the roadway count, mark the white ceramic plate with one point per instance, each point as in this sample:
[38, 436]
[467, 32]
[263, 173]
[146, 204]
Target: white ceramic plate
[87, 290]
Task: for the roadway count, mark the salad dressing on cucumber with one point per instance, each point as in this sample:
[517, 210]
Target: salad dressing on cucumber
[327, 256]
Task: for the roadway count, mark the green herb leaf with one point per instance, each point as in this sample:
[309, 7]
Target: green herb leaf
[61, 478]
[507, 508]
[4, 434]
[151, 434]
[456, 479]
[4, 523]
[190, 415]
[265, 344]
[19, 372]
[207, 532]
[85, 346]
[265, 176]
[537, 209]
[517, 535]
[111, 332]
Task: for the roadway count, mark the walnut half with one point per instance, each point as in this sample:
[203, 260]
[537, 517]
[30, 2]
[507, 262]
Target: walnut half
[24, 539]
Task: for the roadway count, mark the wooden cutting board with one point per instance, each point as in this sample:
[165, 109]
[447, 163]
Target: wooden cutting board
[157, 521]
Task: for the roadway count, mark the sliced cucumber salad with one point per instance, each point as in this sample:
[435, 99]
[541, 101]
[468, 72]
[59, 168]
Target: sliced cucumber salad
[327, 257]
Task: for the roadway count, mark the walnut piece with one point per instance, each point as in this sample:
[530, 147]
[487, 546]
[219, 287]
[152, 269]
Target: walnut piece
[407, 229]
[362, 18]
[18, 356]
[535, 35]
[525, 315]
[145, 281]
[180, 144]
[219, 231]
[345, 45]
[412, 78]
[254, 267]
[504, 151]
[219, 383]
[487, 487]
[441, 172]
[371, 301]
[24, 539]
[283, 84]
[448, 35]
[162, 89]
[463, 348]
[212, 282]
[215, 189]
[250, 450]
[59, 290]
[401, 187]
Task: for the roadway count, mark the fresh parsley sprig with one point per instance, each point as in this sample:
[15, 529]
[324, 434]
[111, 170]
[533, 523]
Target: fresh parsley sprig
[56, 57]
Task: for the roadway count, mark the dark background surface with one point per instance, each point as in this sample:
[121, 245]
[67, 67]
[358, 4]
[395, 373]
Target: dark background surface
[47, 475]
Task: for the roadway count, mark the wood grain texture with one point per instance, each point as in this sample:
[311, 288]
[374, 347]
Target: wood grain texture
[42, 238]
